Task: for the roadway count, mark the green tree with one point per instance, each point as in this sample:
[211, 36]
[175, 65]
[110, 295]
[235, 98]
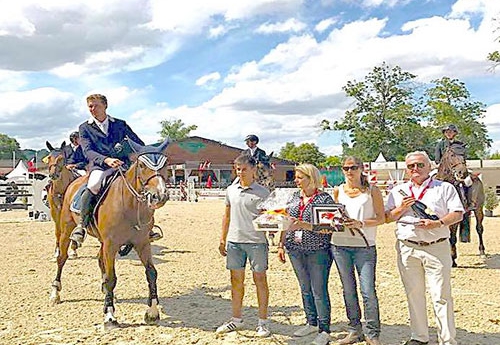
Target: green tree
[332, 161]
[494, 155]
[304, 153]
[384, 117]
[449, 101]
[175, 129]
[495, 55]
[9, 145]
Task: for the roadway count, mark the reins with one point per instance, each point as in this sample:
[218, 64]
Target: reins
[141, 197]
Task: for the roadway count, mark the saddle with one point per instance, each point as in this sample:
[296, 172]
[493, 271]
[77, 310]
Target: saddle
[109, 176]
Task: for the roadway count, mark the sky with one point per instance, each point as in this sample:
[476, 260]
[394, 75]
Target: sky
[274, 68]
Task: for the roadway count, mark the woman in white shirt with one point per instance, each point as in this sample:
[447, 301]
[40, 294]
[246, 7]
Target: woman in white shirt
[354, 251]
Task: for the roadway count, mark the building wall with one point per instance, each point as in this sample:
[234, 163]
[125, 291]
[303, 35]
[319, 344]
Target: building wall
[193, 151]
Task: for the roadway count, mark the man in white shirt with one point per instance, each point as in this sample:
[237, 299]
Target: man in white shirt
[423, 248]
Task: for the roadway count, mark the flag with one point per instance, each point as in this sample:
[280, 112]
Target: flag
[204, 165]
[31, 165]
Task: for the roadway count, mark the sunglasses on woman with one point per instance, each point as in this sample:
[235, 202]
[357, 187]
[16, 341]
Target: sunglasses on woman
[415, 165]
[352, 167]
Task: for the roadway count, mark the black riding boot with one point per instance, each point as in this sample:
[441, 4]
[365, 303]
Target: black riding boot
[87, 207]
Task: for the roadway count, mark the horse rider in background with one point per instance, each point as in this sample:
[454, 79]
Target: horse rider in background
[99, 136]
[458, 147]
[74, 157]
[449, 142]
[253, 151]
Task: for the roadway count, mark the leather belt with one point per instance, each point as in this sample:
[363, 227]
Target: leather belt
[425, 244]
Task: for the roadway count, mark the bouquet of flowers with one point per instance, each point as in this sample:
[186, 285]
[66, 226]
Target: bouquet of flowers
[274, 216]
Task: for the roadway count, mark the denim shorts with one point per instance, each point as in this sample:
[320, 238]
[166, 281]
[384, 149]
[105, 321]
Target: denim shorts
[238, 253]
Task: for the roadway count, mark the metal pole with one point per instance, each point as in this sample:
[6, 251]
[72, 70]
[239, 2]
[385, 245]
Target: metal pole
[13, 159]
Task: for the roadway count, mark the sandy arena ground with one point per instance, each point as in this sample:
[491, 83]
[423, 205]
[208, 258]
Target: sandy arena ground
[195, 293]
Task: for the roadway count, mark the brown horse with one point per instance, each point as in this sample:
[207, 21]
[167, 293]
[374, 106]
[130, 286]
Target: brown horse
[265, 177]
[124, 215]
[265, 173]
[453, 169]
[60, 178]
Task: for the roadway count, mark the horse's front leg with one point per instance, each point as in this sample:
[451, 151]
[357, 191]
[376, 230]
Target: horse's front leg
[152, 315]
[453, 243]
[55, 297]
[109, 283]
[479, 215]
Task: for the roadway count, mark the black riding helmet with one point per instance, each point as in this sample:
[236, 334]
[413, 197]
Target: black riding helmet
[450, 127]
[252, 137]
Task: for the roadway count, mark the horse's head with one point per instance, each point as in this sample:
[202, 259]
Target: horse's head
[151, 172]
[55, 161]
[452, 167]
[265, 171]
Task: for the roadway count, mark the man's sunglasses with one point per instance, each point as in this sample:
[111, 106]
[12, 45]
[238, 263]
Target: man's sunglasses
[415, 165]
[353, 168]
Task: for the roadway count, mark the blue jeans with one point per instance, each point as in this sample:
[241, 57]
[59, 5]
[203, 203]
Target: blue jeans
[312, 270]
[364, 261]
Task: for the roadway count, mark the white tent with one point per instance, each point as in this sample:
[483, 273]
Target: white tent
[380, 158]
[20, 171]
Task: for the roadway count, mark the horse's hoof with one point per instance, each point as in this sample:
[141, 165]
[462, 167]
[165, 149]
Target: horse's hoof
[72, 254]
[54, 300]
[151, 318]
[111, 324]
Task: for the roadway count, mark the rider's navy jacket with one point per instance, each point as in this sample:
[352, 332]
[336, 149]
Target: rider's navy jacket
[98, 146]
[75, 156]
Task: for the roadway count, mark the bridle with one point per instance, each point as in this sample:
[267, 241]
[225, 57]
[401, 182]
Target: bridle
[142, 195]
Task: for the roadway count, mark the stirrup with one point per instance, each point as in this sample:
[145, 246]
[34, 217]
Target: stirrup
[155, 236]
[78, 235]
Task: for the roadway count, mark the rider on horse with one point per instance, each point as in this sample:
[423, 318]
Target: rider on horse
[99, 138]
[73, 155]
[449, 141]
[257, 153]
[458, 148]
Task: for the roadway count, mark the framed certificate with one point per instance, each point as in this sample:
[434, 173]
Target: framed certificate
[328, 217]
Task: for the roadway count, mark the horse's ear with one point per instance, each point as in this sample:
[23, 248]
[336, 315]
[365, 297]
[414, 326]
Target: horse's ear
[271, 155]
[49, 146]
[63, 144]
[164, 145]
[134, 146]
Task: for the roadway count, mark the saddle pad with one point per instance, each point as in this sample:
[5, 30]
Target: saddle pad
[76, 203]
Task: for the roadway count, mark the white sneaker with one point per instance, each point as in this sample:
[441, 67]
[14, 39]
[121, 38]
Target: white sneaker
[305, 330]
[263, 331]
[229, 326]
[321, 339]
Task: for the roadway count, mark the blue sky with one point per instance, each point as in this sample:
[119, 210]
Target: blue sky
[274, 68]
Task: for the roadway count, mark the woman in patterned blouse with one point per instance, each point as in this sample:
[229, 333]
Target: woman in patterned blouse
[309, 253]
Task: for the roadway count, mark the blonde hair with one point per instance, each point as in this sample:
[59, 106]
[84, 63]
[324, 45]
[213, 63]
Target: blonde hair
[98, 97]
[312, 172]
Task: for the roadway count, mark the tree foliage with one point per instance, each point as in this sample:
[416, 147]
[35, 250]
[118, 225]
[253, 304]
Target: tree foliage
[304, 153]
[383, 118]
[449, 101]
[388, 116]
[175, 129]
[494, 155]
[495, 55]
[8, 145]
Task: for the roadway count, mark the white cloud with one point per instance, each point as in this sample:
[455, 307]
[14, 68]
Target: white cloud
[31, 116]
[217, 31]
[291, 25]
[325, 24]
[208, 78]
